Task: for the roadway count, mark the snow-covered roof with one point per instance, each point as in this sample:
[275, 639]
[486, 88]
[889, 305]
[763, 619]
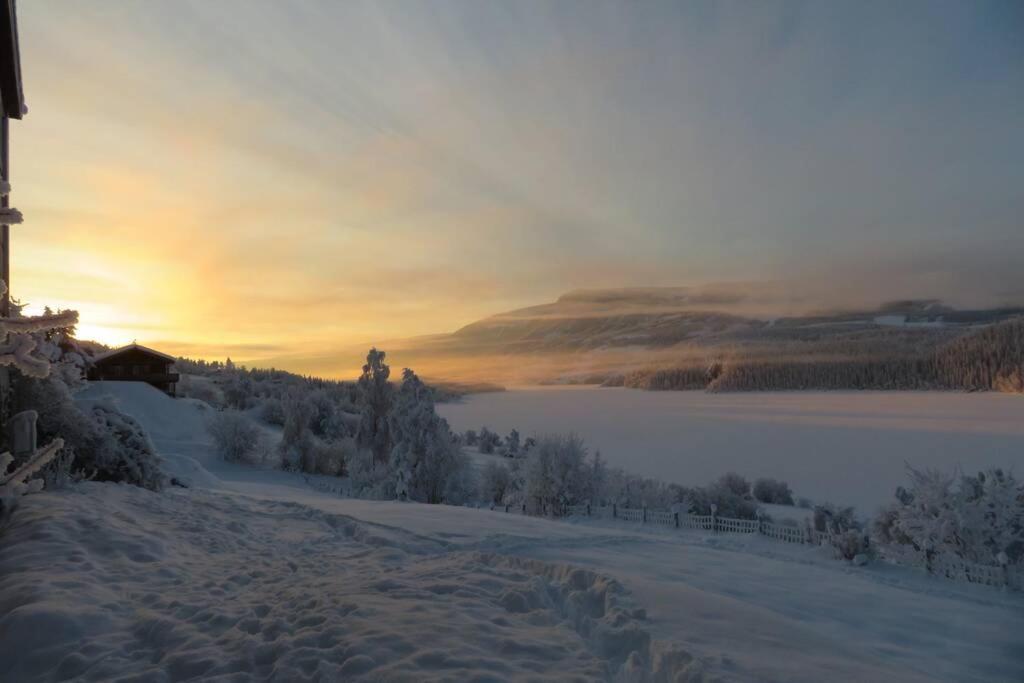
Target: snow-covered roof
[133, 347]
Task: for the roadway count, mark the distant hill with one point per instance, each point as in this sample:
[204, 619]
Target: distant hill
[723, 338]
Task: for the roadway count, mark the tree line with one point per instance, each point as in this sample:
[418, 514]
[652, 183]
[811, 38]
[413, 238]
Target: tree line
[990, 359]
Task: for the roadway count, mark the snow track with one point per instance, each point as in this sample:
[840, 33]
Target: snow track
[111, 582]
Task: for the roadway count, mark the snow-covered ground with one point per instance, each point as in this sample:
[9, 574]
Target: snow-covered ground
[845, 447]
[252, 574]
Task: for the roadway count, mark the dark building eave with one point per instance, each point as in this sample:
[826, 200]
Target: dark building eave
[12, 95]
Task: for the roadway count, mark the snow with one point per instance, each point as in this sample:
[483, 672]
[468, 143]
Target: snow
[252, 574]
[849, 448]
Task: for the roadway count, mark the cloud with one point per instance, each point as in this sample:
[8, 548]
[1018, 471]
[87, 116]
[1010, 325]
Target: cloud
[320, 174]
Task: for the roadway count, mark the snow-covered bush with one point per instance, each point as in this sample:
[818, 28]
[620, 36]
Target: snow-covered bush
[235, 436]
[614, 485]
[238, 391]
[730, 494]
[511, 448]
[976, 518]
[272, 412]
[833, 519]
[330, 457]
[124, 453]
[848, 538]
[495, 483]
[488, 441]
[296, 439]
[773, 491]
[734, 484]
[104, 444]
[60, 474]
[852, 544]
[199, 388]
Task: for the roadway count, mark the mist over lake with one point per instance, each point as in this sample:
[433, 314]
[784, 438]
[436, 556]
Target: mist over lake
[843, 447]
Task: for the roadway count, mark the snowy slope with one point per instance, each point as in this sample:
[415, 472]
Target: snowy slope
[255, 575]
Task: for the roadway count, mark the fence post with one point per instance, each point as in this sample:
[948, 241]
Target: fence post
[22, 431]
[524, 508]
[615, 510]
[675, 518]
[506, 508]
[644, 520]
[588, 509]
[714, 518]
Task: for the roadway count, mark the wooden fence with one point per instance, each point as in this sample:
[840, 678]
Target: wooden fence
[948, 567]
[944, 566]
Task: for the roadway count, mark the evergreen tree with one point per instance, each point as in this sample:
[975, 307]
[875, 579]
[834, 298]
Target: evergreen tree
[376, 395]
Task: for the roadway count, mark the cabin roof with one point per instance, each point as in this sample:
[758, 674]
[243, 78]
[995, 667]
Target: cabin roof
[12, 96]
[133, 347]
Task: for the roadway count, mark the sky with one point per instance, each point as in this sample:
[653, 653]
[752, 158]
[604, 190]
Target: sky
[255, 179]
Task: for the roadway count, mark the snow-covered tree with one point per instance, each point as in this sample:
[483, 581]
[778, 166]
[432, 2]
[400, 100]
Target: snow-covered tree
[556, 474]
[977, 518]
[425, 460]
[375, 395]
[772, 491]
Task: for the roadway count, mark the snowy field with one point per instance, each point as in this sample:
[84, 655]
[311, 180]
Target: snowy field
[843, 447]
[251, 575]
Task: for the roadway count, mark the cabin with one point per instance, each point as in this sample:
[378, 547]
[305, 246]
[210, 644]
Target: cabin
[136, 363]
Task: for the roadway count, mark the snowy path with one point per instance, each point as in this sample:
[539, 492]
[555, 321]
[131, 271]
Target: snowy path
[253, 575]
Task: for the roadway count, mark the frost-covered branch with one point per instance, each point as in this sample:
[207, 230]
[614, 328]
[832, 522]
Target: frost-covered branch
[18, 343]
[14, 484]
[8, 215]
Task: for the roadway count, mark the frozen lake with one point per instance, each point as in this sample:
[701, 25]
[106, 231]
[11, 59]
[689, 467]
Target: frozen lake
[843, 447]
